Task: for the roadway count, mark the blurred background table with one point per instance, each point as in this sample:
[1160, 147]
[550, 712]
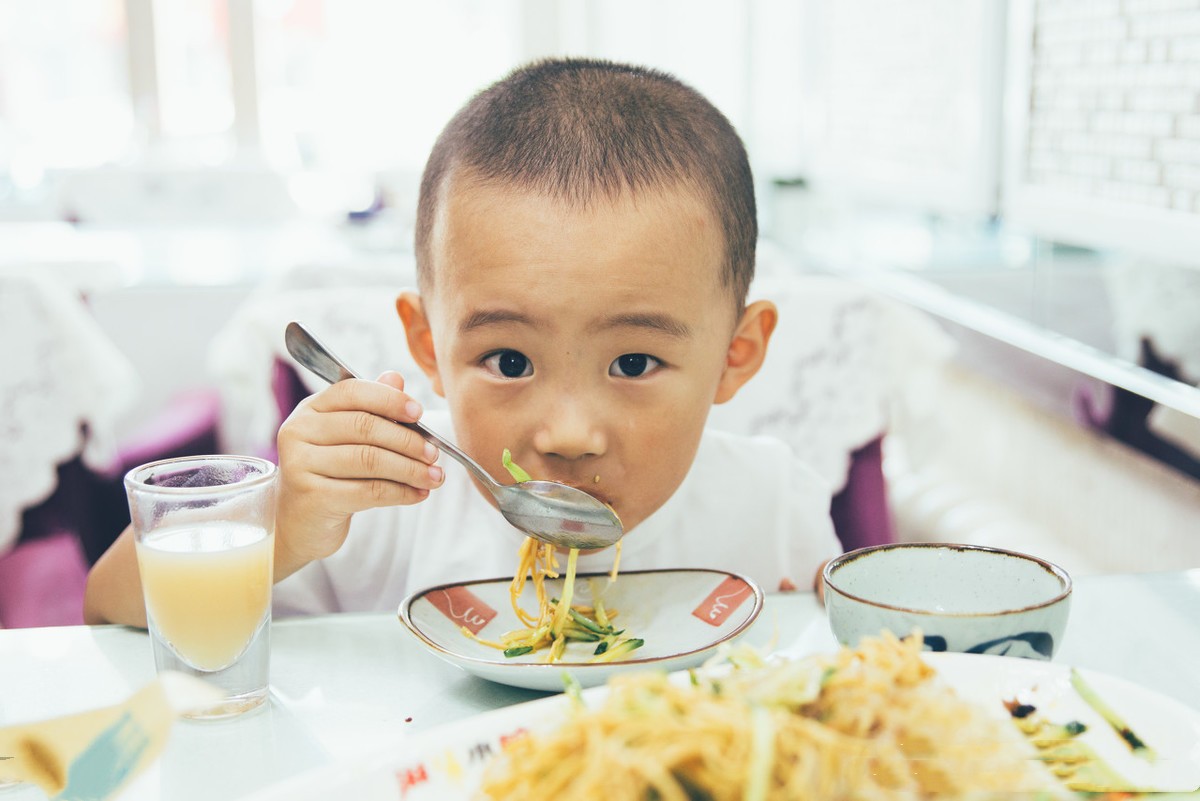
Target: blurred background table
[346, 684]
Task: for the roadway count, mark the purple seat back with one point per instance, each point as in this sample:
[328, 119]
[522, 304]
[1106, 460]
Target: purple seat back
[42, 582]
[861, 513]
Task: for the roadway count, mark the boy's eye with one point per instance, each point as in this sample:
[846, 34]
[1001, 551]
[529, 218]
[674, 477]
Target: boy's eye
[509, 363]
[633, 365]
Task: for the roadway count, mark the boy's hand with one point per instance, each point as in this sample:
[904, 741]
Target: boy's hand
[340, 453]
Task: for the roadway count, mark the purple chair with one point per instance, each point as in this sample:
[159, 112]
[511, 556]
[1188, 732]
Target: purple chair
[1127, 416]
[861, 513]
[42, 581]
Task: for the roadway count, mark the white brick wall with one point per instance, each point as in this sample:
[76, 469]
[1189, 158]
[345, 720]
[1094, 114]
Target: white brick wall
[1184, 177]
[1155, 6]
[1188, 126]
[1186, 50]
[1127, 122]
[1139, 172]
[1146, 25]
[1172, 101]
[1115, 104]
[1179, 151]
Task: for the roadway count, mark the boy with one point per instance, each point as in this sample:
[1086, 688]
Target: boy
[585, 239]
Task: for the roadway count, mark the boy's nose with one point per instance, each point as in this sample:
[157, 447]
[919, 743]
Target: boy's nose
[568, 430]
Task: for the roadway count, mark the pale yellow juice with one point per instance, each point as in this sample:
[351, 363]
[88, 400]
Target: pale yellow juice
[207, 588]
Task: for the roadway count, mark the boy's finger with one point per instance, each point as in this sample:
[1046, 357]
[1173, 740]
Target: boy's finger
[369, 493]
[368, 396]
[364, 428]
[366, 462]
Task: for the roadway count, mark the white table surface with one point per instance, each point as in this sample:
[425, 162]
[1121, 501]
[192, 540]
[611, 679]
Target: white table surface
[342, 684]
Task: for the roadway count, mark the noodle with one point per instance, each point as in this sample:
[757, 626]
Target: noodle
[868, 723]
[557, 620]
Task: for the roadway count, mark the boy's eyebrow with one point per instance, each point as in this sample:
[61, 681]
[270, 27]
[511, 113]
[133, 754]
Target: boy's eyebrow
[658, 322]
[482, 317]
[652, 320]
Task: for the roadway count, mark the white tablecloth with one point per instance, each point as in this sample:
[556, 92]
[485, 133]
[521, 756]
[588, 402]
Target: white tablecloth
[345, 685]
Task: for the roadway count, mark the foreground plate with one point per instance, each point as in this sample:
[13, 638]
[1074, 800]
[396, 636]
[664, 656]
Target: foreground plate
[448, 761]
[683, 615]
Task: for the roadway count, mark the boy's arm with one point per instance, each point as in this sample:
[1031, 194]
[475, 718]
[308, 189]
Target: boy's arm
[114, 587]
[819, 582]
[339, 453]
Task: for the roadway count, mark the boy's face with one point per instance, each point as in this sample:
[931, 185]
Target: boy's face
[591, 343]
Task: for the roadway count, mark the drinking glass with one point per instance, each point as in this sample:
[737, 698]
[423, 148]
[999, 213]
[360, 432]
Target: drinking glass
[205, 533]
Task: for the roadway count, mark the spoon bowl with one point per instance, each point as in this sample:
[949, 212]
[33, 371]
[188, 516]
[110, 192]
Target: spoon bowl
[554, 513]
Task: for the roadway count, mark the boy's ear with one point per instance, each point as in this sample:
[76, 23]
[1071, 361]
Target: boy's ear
[420, 336]
[748, 348]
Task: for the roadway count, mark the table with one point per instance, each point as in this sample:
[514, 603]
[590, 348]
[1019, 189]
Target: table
[345, 683]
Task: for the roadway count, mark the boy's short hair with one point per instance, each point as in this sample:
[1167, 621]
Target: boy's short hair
[579, 129]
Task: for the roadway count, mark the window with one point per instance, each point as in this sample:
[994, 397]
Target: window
[194, 79]
[63, 69]
[368, 84]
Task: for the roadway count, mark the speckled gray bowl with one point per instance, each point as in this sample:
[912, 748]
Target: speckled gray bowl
[964, 598]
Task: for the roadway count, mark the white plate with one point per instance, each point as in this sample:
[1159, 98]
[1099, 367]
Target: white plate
[683, 615]
[447, 763]
[1166, 725]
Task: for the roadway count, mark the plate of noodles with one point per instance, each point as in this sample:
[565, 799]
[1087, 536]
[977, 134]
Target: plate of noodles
[534, 632]
[882, 720]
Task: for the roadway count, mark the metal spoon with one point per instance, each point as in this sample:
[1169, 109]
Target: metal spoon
[546, 510]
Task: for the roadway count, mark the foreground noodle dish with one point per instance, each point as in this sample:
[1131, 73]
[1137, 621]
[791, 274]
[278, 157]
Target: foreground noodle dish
[873, 722]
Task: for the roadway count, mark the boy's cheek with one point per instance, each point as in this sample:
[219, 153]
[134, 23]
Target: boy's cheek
[484, 433]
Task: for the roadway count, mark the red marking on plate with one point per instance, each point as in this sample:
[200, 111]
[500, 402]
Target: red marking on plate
[463, 607]
[723, 601]
[573, 526]
[411, 777]
[505, 739]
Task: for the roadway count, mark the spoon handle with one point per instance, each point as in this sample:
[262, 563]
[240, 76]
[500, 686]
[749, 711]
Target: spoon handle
[313, 354]
[452, 449]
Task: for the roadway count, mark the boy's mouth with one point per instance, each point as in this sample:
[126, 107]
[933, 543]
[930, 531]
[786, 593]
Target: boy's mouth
[590, 489]
[603, 497]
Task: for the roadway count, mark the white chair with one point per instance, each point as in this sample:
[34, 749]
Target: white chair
[62, 390]
[351, 310]
[844, 362]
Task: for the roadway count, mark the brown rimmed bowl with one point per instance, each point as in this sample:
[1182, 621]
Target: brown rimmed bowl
[965, 598]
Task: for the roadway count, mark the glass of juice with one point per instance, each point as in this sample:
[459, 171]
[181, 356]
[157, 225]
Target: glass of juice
[205, 533]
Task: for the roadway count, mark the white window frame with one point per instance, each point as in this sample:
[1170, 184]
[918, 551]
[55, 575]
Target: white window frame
[973, 191]
[145, 88]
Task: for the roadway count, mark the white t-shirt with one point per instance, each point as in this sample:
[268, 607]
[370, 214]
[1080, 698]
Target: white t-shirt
[747, 505]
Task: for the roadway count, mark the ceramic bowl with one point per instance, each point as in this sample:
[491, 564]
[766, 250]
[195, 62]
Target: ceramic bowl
[683, 615]
[965, 598]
